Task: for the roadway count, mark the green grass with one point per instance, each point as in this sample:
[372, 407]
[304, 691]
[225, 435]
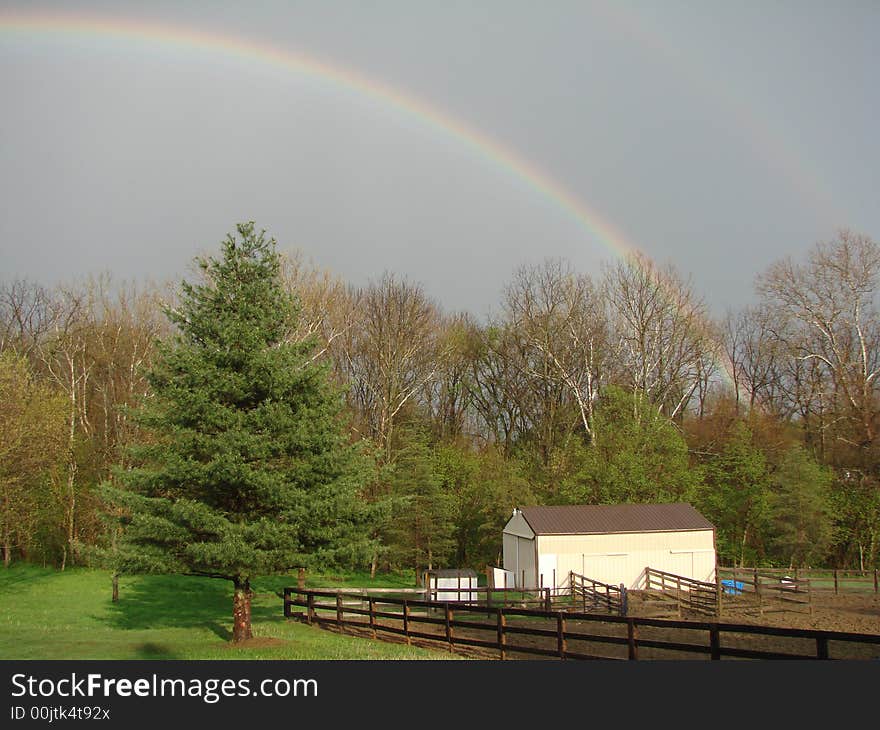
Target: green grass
[47, 614]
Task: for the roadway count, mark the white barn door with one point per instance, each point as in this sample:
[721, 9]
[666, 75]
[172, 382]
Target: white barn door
[547, 569]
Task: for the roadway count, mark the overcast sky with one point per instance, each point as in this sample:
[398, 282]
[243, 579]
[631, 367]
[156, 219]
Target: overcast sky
[714, 135]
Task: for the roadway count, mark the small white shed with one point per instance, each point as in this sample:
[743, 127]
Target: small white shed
[451, 585]
[609, 543]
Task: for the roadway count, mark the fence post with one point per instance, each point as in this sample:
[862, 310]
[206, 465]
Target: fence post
[547, 604]
[624, 600]
[835, 581]
[372, 606]
[757, 581]
[875, 580]
[301, 578]
[821, 647]
[339, 612]
[448, 617]
[310, 610]
[715, 641]
[719, 594]
[560, 634]
[502, 639]
[759, 593]
[632, 639]
[287, 603]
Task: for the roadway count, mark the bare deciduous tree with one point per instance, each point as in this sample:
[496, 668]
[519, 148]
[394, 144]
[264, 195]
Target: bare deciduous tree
[329, 308]
[832, 297]
[560, 317]
[392, 353]
[659, 332]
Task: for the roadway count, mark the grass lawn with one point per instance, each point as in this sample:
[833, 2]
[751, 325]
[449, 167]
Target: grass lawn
[47, 614]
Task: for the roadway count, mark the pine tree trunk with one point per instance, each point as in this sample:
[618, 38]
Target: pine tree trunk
[241, 611]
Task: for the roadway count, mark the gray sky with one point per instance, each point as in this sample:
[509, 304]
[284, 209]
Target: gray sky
[717, 136]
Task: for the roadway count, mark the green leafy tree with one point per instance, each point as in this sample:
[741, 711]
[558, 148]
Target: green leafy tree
[735, 496]
[855, 501]
[641, 457]
[484, 488]
[800, 509]
[244, 468]
[32, 446]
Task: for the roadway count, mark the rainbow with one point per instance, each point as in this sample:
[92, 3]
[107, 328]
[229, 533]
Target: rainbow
[247, 51]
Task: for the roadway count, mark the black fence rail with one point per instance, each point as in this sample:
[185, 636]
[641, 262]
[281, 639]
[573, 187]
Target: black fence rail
[566, 635]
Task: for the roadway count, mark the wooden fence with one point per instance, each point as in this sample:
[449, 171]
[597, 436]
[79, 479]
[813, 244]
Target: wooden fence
[593, 594]
[686, 594]
[764, 591]
[563, 635]
[821, 579]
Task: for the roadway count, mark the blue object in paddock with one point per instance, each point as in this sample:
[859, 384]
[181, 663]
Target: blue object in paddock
[733, 588]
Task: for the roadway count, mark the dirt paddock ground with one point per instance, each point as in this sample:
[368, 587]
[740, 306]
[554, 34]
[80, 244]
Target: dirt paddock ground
[850, 612]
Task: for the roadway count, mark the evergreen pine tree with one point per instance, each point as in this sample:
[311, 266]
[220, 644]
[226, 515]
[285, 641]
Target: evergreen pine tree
[245, 469]
[421, 528]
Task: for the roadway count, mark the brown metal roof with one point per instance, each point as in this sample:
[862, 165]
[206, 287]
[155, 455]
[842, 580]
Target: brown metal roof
[591, 519]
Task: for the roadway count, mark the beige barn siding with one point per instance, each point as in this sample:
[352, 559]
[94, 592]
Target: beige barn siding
[622, 558]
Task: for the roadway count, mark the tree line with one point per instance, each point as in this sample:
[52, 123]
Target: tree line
[615, 386]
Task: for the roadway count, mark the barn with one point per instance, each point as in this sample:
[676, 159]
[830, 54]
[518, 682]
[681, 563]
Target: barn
[609, 543]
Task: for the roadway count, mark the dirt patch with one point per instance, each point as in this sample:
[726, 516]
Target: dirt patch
[857, 613]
